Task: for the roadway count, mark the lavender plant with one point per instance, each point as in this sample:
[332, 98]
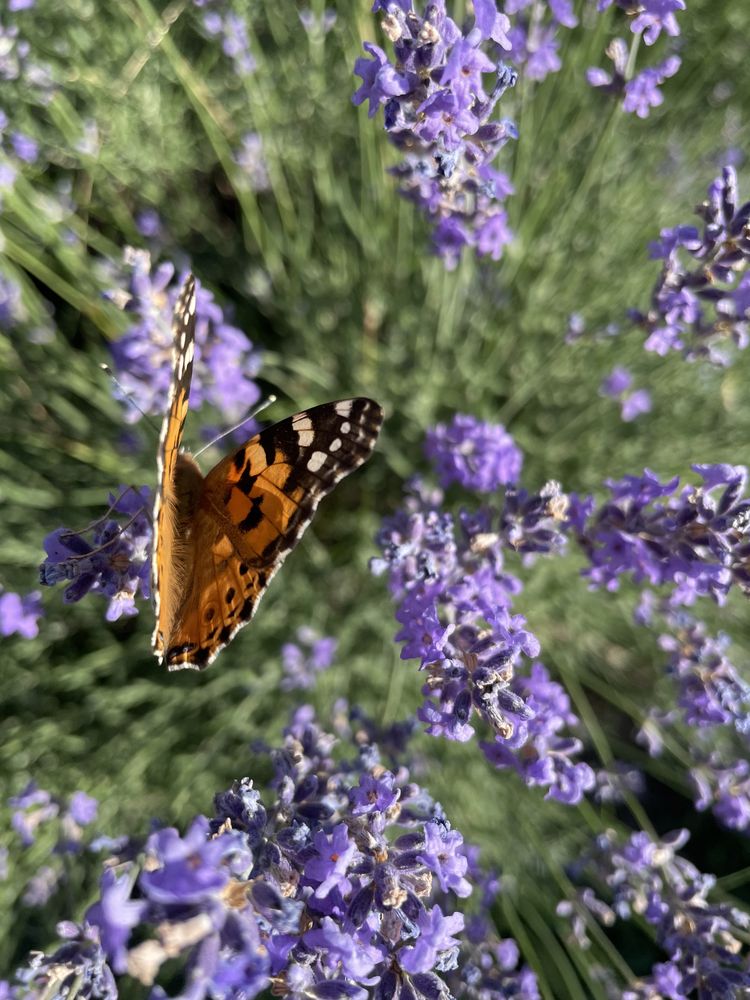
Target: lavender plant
[344, 883]
[645, 877]
[701, 307]
[704, 712]
[64, 826]
[438, 113]
[455, 604]
[694, 539]
[275, 191]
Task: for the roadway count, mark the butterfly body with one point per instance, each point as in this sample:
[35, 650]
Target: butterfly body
[219, 539]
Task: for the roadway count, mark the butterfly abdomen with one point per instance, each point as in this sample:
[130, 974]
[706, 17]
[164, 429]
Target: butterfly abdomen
[188, 487]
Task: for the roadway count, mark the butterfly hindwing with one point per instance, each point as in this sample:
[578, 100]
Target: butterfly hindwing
[254, 508]
[165, 586]
[222, 595]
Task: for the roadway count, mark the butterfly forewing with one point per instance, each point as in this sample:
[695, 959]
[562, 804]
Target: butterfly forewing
[254, 508]
[165, 584]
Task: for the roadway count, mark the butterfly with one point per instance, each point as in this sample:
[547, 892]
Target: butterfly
[219, 539]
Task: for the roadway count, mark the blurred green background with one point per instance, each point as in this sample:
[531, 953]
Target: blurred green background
[331, 276]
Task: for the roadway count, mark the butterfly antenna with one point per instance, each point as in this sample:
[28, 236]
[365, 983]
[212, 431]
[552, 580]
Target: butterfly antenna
[249, 416]
[127, 395]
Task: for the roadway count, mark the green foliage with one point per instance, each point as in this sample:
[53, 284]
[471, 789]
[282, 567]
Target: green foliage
[332, 278]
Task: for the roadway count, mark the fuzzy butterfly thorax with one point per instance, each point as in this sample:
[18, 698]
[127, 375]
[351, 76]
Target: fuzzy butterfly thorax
[219, 540]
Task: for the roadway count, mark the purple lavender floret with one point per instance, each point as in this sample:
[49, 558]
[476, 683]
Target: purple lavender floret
[700, 309]
[11, 307]
[111, 557]
[32, 808]
[647, 879]
[59, 826]
[547, 757]
[693, 539]
[478, 455]
[18, 66]
[724, 787]
[438, 95]
[343, 886]
[226, 363]
[649, 16]
[641, 92]
[303, 660]
[231, 28]
[251, 160]
[710, 691]
[533, 36]
[617, 385]
[708, 708]
[80, 963]
[19, 615]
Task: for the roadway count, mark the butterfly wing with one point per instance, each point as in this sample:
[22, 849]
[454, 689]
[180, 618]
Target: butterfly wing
[255, 506]
[166, 584]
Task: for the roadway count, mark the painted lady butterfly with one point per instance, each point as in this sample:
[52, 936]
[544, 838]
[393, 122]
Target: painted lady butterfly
[218, 540]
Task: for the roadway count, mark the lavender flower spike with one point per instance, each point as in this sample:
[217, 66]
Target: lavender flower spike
[700, 305]
[439, 94]
[345, 887]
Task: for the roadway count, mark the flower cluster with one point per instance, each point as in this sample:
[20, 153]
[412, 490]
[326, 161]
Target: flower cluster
[17, 65]
[37, 813]
[231, 28]
[111, 557]
[539, 750]
[11, 307]
[303, 660]
[15, 148]
[694, 539]
[710, 691]
[455, 607]
[343, 886]
[724, 787]
[533, 36]
[640, 92]
[20, 615]
[633, 402]
[649, 17]
[438, 95]
[712, 700]
[488, 966]
[478, 455]
[252, 163]
[702, 940]
[699, 309]
[226, 361]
